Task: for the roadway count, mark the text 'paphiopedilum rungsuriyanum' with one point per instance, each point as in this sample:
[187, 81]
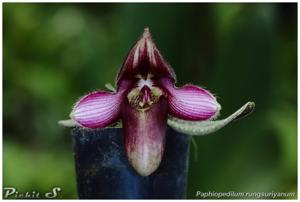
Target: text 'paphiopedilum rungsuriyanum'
[147, 100]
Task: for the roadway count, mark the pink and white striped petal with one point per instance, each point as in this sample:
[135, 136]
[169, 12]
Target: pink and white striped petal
[97, 109]
[190, 102]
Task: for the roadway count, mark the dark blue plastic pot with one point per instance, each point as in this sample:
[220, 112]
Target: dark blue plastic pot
[103, 171]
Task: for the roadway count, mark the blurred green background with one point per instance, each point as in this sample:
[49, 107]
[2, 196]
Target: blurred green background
[55, 53]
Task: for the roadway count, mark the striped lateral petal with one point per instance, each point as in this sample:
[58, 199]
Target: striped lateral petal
[190, 102]
[97, 109]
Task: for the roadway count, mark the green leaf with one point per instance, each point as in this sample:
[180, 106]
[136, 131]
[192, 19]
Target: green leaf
[208, 127]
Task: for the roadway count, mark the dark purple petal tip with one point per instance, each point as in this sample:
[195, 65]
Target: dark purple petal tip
[145, 58]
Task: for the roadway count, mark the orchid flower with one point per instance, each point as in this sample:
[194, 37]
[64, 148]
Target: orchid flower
[147, 100]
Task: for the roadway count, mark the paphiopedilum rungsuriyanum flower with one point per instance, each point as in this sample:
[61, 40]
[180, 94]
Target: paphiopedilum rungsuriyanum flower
[147, 100]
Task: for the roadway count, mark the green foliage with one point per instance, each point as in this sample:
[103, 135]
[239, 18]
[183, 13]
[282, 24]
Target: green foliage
[55, 53]
[39, 170]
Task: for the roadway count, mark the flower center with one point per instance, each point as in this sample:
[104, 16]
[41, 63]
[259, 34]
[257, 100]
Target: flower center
[145, 94]
[142, 83]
